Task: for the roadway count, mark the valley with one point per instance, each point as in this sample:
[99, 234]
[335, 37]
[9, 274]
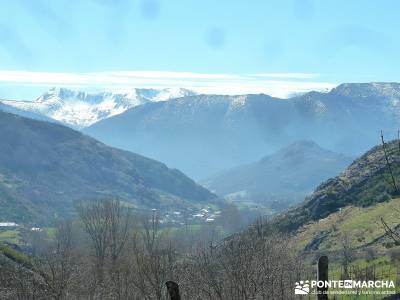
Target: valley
[199, 150]
[304, 198]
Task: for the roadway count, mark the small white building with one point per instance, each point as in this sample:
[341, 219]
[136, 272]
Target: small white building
[198, 216]
[8, 224]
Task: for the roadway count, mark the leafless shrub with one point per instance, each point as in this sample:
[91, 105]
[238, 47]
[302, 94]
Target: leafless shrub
[246, 267]
[111, 254]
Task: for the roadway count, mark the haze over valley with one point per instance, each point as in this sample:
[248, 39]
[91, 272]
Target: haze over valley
[252, 150]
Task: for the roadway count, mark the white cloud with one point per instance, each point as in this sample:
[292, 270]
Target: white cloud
[286, 75]
[275, 84]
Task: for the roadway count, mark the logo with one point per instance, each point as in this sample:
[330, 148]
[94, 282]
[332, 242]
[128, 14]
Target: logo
[302, 288]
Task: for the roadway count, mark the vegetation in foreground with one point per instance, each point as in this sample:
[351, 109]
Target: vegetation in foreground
[110, 254]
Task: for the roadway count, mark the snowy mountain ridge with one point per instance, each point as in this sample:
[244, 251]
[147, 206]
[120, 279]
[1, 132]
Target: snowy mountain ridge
[81, 109]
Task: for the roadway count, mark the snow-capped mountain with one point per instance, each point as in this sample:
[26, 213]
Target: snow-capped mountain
[205, 134]
[81, 109]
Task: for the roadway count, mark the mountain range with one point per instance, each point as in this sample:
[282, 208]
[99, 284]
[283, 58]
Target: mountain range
[46, 167]
[290, 173]
[80, 109]
[205, 134]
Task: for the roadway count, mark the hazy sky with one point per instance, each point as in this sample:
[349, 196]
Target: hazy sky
[212, 45]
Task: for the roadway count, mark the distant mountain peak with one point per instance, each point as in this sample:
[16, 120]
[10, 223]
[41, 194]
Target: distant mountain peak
[80, 109]
[239, 101]
[363, 90]
[300, 150]
[289, 173]
[303, 144]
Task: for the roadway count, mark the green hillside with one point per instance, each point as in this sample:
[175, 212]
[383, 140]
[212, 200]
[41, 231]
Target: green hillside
[45, 167]
[366, 182]
[362, 224]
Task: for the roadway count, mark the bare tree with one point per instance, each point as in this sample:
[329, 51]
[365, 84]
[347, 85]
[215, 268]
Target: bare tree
[154, 257]
[258, 264]
[58, 263]
[107, 224]
[95, 219]
[117, 258]
[119, 224]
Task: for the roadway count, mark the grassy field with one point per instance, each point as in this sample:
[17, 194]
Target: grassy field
[362, 225]
[11, 236]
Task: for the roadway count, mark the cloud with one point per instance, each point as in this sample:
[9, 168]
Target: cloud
[286, 75]
[275, 84]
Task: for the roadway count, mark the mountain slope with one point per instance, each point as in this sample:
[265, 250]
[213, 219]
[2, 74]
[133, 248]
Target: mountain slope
[24, 113]
[365, 182]
[294, 170]
[205, 134]
[44, 167]
[194, 134]
[80, 109]
[362, 224]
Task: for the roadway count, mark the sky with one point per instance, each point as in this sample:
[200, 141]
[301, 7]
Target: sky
[229, 47]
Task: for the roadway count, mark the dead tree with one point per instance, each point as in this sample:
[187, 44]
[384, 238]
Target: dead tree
[390, 232]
